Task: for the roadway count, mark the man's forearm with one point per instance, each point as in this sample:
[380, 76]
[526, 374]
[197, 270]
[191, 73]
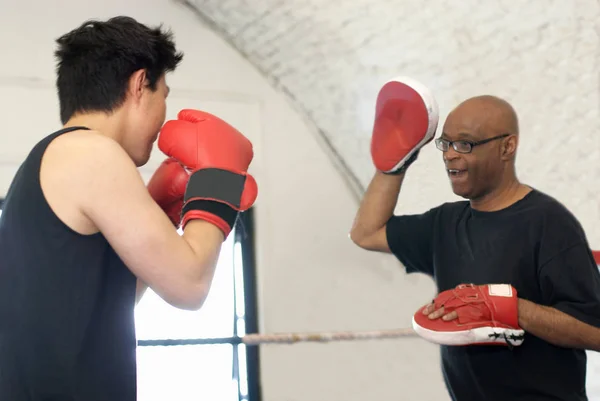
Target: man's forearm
[378, 204]
[557, 327]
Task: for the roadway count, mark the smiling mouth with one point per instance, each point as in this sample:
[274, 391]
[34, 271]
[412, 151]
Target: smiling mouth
[455, 172]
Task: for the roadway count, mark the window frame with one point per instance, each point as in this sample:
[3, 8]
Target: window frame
[245, 235]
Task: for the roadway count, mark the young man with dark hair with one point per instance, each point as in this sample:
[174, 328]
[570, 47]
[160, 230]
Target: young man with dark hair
[80, 232]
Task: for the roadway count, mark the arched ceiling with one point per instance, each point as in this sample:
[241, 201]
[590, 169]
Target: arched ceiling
[330, 58]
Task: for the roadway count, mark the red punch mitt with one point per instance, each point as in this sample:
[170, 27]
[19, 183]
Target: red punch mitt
[217, 156]
[487, 315]
[406, 118]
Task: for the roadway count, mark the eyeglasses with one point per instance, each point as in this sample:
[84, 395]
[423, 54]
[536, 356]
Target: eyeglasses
[463, 146]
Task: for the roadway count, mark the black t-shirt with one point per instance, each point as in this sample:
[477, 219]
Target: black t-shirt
[540, 248]
[66, 303]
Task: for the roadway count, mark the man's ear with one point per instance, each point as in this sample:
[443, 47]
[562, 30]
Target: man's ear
[509, 147]
[137, 84]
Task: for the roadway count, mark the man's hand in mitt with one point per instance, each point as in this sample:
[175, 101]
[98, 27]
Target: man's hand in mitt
[406, 118]
[471, 315]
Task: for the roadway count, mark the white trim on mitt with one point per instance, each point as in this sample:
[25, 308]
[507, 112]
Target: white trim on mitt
[481, 335]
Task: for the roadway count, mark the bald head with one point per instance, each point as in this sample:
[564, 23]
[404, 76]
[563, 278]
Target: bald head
[485, 115]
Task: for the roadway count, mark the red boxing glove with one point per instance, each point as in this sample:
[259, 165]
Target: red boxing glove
[487, 315]
[218, 157]
[167, 188]
[406, 118]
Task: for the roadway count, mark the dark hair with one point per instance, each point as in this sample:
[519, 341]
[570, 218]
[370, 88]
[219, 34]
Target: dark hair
[96, 60]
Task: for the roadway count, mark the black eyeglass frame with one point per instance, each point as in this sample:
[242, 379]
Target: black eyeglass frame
[444, 144]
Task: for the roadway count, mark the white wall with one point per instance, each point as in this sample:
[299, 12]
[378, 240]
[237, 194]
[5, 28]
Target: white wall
[311, 277]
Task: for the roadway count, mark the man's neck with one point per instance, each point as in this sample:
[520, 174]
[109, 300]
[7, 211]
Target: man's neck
[505, 196]
[104, 124]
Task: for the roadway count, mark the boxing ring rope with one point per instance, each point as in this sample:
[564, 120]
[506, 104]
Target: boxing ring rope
[287, 338]
[292, 338]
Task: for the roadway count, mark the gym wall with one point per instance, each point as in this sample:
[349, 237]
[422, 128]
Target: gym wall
[311, 277]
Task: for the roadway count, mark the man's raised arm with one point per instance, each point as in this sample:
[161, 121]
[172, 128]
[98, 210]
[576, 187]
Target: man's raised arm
[206, 174]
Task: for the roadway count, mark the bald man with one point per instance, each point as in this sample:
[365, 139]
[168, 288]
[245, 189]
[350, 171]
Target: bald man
[503, 232]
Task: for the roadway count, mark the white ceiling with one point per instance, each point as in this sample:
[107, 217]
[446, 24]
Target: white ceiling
[331, 56]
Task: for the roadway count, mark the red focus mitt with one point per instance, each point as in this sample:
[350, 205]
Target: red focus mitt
[406, 118]
[486, 315]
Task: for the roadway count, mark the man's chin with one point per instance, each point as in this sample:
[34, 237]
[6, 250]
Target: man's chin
[141, 162]
[461, 191]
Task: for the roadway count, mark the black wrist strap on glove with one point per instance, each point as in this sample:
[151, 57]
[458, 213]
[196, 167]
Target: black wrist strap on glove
[217, 184]
[215, 191]
[224, 211]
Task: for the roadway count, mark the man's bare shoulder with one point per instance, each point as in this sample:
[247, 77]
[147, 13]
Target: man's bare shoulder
[86, 149]
[75, 167]
[96, 162]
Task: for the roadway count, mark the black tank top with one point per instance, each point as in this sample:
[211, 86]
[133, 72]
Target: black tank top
[66, 303]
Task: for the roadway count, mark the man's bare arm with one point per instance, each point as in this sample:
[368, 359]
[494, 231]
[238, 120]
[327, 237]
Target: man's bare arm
[376, 208]
[114, 197]
[557, 327]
